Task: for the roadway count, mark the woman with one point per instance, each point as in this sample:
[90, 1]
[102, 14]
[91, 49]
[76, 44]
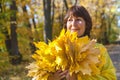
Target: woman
[78, 20]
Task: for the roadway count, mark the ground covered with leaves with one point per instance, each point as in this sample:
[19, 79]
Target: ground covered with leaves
[13, 72]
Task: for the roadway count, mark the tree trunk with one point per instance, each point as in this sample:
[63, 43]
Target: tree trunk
[5, 32]
[47, 20]
[0, 7]
[104, 36]
[26, 17]
[15, 54]
[75, 2]
[66, 5]
[53, 11]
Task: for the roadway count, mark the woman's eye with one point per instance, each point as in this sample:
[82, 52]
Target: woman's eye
[78, 19]
[69, 19]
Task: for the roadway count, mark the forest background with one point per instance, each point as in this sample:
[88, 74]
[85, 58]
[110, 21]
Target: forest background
[23, 22]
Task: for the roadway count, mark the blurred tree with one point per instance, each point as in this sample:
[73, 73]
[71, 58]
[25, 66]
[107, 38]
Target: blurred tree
[16, 57]
[103, 16]
[26, 17]
[0, 7]
[4, 25]
[47, 20]
[66, 4]
[2, 31]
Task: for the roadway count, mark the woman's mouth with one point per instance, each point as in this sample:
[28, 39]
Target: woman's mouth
[74, 30]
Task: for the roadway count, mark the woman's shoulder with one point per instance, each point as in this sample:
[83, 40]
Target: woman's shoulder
[102, 48]
[99, 45]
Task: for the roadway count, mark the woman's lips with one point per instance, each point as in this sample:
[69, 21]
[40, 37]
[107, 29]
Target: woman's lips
[74, 30]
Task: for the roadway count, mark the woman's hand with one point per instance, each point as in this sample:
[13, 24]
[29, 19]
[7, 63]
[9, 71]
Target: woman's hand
[72, 77]
[58, 75]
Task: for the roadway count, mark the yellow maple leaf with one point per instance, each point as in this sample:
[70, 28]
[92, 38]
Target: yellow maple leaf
[78, 55]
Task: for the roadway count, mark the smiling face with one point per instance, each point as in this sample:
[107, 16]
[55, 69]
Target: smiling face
[77, 19]
[76, 24]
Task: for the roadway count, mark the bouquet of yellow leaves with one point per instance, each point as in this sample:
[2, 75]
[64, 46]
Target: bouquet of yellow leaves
[66, 52]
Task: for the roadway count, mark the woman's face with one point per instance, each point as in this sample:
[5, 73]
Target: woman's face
[76, 24]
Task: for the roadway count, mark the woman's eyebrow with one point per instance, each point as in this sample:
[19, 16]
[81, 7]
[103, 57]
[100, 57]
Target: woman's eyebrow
[79, 17]
[69, 17]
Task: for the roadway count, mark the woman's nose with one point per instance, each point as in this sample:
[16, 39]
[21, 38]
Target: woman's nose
[74, 23]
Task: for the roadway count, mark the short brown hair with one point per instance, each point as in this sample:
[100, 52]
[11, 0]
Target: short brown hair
[80, 11]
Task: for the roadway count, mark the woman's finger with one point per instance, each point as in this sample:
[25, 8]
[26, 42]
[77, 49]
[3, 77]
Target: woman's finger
[63, 74]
